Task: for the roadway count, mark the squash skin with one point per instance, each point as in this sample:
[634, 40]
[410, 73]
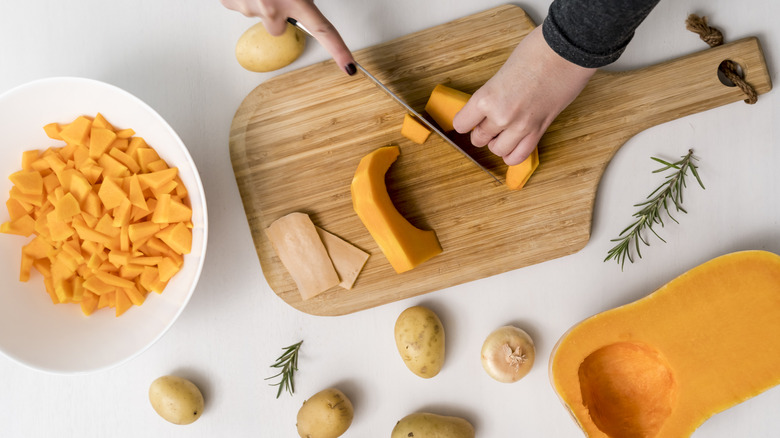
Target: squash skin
[404, 245]
[715, 330]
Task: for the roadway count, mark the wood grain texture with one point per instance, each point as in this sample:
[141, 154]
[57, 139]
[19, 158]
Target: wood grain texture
[296, 140]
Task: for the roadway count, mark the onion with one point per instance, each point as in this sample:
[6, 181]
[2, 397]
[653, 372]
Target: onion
[508, 354]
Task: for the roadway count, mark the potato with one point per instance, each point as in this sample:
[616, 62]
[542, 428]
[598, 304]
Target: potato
[419, 336]
[425, 425]
[176, 399]
[257, 50]
[327, 414]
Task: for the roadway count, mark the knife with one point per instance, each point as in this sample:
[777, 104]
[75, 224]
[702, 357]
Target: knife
[406, 106]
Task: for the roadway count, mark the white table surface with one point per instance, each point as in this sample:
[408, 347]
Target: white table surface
[178, 56]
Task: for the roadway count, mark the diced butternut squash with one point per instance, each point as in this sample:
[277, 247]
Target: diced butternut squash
[29, 157]
[28, 182]
[89, 303]
[111, 194]
[142, 231]
[177, 237]
[16, 209]
[99, 141]
[77, 131]
[125, 159]
[53, 131]
[157, 179]
[112, 167]
[23, 226]
[125, 133]
[90, 204]
[123, 302]
[146, 155]
[414, 130]
[100, 122]
[67, 207]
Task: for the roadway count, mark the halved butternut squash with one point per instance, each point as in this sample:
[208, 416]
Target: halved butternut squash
[662, 365]
[404, 245]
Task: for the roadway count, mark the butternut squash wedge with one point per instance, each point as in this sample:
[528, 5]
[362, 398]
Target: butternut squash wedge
[404, 245]
[662, 365]
[442, 106]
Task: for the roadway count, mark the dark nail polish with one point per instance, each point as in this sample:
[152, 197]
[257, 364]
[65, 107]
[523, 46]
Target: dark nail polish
[351, 69]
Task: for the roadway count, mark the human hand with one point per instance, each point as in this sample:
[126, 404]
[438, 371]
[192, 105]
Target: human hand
[512, 111]
[274, 14]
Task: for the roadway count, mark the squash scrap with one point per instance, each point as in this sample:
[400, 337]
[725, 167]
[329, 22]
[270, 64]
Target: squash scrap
[404, 245]
[316, 259]
[662, 365]
[348, 260]
[301, 251]
[442, 106]
[111, 220]
[414, 130]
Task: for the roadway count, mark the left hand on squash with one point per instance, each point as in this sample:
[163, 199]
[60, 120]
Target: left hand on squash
[512, 111]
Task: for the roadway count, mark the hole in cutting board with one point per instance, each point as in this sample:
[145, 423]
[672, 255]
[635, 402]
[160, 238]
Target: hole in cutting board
[722, 77]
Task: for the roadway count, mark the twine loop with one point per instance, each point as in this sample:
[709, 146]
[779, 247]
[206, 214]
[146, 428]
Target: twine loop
[730, 69]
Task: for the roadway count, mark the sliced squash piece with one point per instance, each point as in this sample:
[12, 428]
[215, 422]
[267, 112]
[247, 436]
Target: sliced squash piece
[518, 175]
[99, 141]
[404, 245]
[414, 130]
[301, 251]
[52, 131]
[28, 182]
[443, 104]
[346, 257]
[179, 238]
[77, 131]
[23, 226]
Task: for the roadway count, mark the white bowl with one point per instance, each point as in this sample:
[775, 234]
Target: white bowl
[59, 338]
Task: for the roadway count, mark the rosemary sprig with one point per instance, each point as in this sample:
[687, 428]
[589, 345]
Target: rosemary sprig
[288, 363]
[650, 214]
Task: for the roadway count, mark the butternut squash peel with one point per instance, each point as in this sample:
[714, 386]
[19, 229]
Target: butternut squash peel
[442, 106]
[404, 245]
[662, 365]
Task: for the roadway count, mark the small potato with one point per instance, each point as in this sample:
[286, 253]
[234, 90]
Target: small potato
[176, 399]
[419, 337]
[327, 414]
[425, 425]
[257, 50]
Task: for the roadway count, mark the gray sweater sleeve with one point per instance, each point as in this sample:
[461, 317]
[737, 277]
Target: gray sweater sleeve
[593, 33]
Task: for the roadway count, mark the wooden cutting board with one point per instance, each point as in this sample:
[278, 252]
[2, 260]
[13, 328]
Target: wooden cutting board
[296, 140]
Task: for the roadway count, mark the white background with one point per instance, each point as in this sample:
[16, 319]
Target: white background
[178, 56]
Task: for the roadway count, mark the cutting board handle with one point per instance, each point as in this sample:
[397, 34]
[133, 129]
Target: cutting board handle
[632, 101]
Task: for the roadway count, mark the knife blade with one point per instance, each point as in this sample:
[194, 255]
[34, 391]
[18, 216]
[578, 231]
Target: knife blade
[409, 109]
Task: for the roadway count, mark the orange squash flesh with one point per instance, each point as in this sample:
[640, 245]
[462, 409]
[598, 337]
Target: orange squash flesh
[87, 203]
[414, 130]
[404, 245]
[519, 174]
[442, 106]
[662, 365]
